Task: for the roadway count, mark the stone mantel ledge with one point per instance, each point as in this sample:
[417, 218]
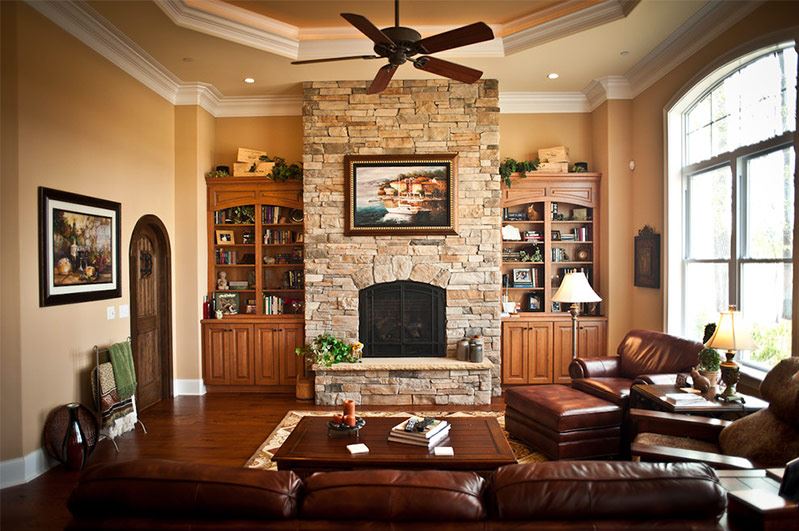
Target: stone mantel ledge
[410, 364]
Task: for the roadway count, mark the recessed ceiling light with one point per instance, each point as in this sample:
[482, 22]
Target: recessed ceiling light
[249, 80]
[187, 59]
[553, 75]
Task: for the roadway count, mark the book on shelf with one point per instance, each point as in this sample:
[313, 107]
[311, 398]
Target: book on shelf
[225, 257]
[273, 305]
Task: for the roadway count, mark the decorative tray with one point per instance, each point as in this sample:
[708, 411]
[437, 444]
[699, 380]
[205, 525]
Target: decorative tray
[336, 428]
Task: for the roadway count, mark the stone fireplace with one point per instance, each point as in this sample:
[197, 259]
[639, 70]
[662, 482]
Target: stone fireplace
[410, 117]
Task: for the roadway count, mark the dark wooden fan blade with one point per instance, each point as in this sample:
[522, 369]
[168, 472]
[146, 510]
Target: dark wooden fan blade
[367, 28]
[380, 82]
[477, 32]
[329, 59]
[447, 69]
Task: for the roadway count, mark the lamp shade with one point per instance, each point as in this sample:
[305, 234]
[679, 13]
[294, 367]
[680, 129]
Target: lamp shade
[732, 332]
[575, 288]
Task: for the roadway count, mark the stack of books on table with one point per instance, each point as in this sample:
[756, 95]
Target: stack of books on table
[431, 435]
[687, 399]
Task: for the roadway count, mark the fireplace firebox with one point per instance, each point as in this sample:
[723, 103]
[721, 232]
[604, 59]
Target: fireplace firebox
[403, 319]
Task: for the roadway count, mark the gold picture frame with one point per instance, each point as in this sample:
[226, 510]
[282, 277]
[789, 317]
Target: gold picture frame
[225, 237]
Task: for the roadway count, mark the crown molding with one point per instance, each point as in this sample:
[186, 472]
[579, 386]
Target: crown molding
[95, 31]
[601, 13]
[259, 106]
[235, 24]
[607, 88]
[542, 102]
[710, 21]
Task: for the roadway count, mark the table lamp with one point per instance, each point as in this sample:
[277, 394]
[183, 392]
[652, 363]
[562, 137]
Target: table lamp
[575, 289]
[732, 334]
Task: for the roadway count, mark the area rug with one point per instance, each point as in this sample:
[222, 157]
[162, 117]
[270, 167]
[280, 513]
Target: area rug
[262, 458]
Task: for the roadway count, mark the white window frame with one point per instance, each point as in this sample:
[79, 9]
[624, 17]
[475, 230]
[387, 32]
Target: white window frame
[677, 173]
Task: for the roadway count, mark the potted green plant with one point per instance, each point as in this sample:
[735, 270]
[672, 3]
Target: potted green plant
[324, 351]
[709, 364]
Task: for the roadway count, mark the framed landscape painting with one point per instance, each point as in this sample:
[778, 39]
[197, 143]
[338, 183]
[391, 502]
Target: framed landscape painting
[400, 194]
[79, 255]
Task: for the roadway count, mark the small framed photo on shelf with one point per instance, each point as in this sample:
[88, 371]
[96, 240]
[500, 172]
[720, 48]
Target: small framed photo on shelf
[555, 236]
[580, 214]
[225, 237]
[522, 277]
[534, 302]
[227, 302]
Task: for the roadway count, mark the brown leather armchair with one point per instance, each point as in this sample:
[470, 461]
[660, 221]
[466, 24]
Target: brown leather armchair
[643, 356]
[768, 438]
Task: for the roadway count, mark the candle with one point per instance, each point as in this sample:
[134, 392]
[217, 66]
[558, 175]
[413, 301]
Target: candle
[349, 408]
[338, 418]
[350, 420]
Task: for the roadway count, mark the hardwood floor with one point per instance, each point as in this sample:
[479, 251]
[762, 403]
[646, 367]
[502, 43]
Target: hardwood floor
[214, 429]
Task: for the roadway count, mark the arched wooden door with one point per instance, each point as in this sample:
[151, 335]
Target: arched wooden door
[150, 310]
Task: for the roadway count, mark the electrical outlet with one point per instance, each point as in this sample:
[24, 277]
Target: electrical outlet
[124, 311]
[110, 312]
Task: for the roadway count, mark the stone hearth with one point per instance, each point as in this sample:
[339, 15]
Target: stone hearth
[390, 381]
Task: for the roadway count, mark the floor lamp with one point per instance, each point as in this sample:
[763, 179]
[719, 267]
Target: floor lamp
[732, 334]
[575, 289]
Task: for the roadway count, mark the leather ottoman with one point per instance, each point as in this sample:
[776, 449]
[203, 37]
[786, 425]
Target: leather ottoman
[563, 423]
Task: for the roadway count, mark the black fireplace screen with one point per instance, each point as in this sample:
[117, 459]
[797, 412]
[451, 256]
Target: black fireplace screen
[403, 319]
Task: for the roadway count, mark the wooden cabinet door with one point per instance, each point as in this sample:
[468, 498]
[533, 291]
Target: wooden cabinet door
[266, 355]
[214, 354]
[591, 339]
[291, 336]
[240, 354]
[539, 352]
[562, 352]
[514, 353]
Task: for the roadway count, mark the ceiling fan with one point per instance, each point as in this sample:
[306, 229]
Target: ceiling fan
[399, 45]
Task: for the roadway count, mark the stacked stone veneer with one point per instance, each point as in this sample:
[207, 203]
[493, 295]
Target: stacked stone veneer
[409, 117]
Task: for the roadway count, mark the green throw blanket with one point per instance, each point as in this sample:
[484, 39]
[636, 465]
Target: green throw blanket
[121, 359]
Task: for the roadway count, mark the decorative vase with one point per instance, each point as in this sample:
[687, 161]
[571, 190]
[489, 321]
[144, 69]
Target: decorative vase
[712, 376]
[75, 447]
[305, 388]
[70, 434]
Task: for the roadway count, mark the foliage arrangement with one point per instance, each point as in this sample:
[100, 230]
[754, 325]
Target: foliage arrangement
[710, 328]
[327, 350]
[509, 166]
[536, 256]
[709, 360]
[282, 171]
[217, 173]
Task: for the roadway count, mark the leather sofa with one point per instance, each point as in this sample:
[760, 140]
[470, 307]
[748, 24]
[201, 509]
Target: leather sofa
[643, 356]
[153, 494]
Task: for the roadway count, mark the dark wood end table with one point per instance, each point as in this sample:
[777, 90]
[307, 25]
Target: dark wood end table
[753, 502]
[478, 442]
[653, 397]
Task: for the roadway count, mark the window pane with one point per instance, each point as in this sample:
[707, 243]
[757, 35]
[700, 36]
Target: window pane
[709, 208]
[706, 292]
[698, 144]
[769, 205]
[766, 305]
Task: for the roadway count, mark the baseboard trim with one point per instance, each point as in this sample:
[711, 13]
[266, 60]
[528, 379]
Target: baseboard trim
[189, 387]
[23, 469]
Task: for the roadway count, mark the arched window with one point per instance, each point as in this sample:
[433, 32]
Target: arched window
[730, 200]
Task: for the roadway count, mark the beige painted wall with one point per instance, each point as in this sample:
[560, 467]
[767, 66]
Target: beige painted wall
[277, 135]
[522, 135]
[10, 355]
[194, 141]
[647, 138]
[85, 127]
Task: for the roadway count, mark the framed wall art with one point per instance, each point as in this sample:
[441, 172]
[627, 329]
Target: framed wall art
[647, 258]
[79, 254]
[400, 194]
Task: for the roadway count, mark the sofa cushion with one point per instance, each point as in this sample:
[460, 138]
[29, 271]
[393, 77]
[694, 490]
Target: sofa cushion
[673, 441]
[650, 352]
[561, 408]
[615, 390]
[595, 490]
[169, 489]
[393, 495]
[762, 438]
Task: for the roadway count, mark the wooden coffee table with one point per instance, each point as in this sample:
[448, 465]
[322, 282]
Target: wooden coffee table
[654, 397]
[478, 442]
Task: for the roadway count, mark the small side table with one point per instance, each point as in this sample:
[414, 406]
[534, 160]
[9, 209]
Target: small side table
[653, 397]
[753, 503]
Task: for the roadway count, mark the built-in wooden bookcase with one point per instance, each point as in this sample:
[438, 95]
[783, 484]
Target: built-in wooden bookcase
[557, 216]
[255, 238]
